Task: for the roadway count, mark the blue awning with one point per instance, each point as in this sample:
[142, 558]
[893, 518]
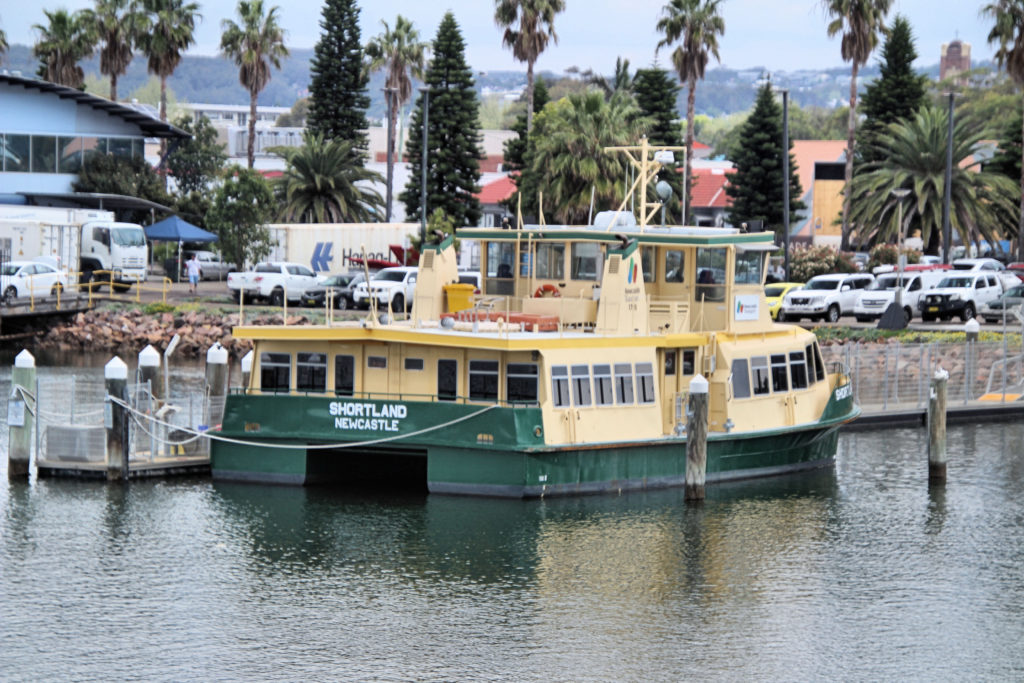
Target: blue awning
[176, 229]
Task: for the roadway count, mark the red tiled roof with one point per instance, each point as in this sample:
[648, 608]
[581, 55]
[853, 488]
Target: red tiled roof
[700, 145]
[709, 188]
[270, 175]
[498, 191]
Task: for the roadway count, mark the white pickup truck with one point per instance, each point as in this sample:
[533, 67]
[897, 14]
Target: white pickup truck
[395, 287]
[274, 282]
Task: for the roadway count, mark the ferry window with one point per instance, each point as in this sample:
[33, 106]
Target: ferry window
[810, 364]
[275, 371]
[550, 261]
[500, 254]
[674, 262]
[624, 384]
[483, 380]
[311, 371]
[710, 274]
[560, 386]
[780, 378]
[689, 358]
[603, 385]
[447, 380]
[798, 369]
[749, 266]
[645, 382]
[759, 371]
[670, 362]
[413, 363]
[521, 382]
[586, 261]
[740, 378]
[647, 263]
[819, 364]
[344, 375]
[581, 385]
[379, 362]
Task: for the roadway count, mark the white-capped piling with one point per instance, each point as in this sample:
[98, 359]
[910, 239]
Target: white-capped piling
[971, 329]
[20, 410]
[937, 428]
[246, 370]
[696, 438]
[149, 371]
[216, 382]
[115, 418]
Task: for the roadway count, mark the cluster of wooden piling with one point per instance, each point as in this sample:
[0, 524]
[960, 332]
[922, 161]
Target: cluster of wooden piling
[23, 405]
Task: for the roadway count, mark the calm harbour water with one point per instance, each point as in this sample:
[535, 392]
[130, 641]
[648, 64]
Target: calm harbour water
[861, 573]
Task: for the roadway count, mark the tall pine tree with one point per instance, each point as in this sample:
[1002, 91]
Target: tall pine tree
[655, 92]
[896, 94]
[756, 185]
[338, 98]
[1006, 160]
[453, 134]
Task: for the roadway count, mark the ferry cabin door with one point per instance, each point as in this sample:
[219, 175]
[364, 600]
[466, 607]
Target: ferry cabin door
[677, 371]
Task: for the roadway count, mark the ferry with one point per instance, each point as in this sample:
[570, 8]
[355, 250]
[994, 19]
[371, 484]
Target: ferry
[568, 373]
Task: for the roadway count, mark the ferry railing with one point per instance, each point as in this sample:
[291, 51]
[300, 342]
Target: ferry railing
[9, 295]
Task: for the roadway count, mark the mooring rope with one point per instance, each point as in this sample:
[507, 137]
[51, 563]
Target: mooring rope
[330, 446]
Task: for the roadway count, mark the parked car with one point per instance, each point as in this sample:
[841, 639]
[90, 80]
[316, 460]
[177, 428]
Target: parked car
[339, 289]
[1017, 268]
[20, 279]
[960, 293]
[272, 282]
[773, 294]
[989, 265]
[826, 297]
[994, 310]
[394, 286]
[873, 302]
[211, 266]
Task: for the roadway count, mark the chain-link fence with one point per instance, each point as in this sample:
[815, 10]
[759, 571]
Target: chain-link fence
[895, 376]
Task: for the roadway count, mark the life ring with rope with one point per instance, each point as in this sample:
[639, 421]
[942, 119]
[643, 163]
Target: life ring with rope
[546, 290]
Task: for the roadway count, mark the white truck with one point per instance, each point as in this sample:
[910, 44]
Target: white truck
[85, 243]
[273, 282]
[872, 304]
[395, 287]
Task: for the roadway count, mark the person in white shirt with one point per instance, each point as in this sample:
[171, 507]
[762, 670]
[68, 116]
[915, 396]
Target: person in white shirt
[193, 273]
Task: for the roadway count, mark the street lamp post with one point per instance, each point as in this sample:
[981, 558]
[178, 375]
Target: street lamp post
[900, 193]
[947, 236]
[423, 170]
[785, 180]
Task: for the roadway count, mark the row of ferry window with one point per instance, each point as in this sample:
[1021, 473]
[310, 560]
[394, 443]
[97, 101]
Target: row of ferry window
[776, 373]
[571, 385]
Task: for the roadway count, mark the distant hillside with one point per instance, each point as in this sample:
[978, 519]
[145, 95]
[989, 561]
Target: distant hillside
[214, 80]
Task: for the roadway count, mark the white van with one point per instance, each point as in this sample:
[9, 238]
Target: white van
[874, 301]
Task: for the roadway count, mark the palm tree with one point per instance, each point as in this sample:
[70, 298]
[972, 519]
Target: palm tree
[3, 43]
[622, 81]
[325, 182]
[568, 157]
[913, 156]
[403, 55]
[116, 24]
[255, 45]
[168, 31]
[64, 42]
[1008, 31]
[528, 24]
[699, 24]
[859, 22]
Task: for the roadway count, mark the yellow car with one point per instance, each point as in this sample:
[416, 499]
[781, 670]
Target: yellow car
[773, 295]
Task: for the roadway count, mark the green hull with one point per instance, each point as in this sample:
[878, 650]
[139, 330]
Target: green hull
[484, 450]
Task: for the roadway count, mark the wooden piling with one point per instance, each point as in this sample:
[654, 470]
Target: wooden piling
[149, 371]
[696, 438]
[20, 417]
[937, 428]
[115, 419]
[216, 382]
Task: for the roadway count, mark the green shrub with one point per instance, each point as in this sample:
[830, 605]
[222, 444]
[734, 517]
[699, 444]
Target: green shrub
[158, 307]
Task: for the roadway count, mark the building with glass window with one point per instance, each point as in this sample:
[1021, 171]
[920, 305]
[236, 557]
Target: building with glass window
[47, 131]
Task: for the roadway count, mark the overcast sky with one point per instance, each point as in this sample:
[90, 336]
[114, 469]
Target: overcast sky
[778, 34]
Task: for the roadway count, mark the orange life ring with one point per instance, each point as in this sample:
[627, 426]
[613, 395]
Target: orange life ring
[546, 290]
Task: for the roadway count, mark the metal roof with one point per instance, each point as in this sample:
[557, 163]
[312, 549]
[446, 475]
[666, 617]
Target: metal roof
[132, 113]
[92, 200]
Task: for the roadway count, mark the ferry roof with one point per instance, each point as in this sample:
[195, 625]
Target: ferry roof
[682, 235]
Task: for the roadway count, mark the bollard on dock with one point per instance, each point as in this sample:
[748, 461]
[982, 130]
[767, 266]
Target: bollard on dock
[937, 428]
[696, 438]
[115, 419]
[20, 416]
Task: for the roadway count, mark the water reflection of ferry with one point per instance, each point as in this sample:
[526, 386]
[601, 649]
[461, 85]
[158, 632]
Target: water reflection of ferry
[567, 375]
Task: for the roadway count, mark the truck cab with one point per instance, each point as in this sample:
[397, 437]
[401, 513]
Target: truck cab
[118, 248]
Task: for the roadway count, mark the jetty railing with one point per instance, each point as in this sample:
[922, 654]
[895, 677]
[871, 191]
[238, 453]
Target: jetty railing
[896, 376]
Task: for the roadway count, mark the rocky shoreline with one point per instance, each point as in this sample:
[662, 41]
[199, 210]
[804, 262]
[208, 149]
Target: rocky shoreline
[129, 331]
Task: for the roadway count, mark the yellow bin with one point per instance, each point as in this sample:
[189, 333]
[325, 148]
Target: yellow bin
[459, 296]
